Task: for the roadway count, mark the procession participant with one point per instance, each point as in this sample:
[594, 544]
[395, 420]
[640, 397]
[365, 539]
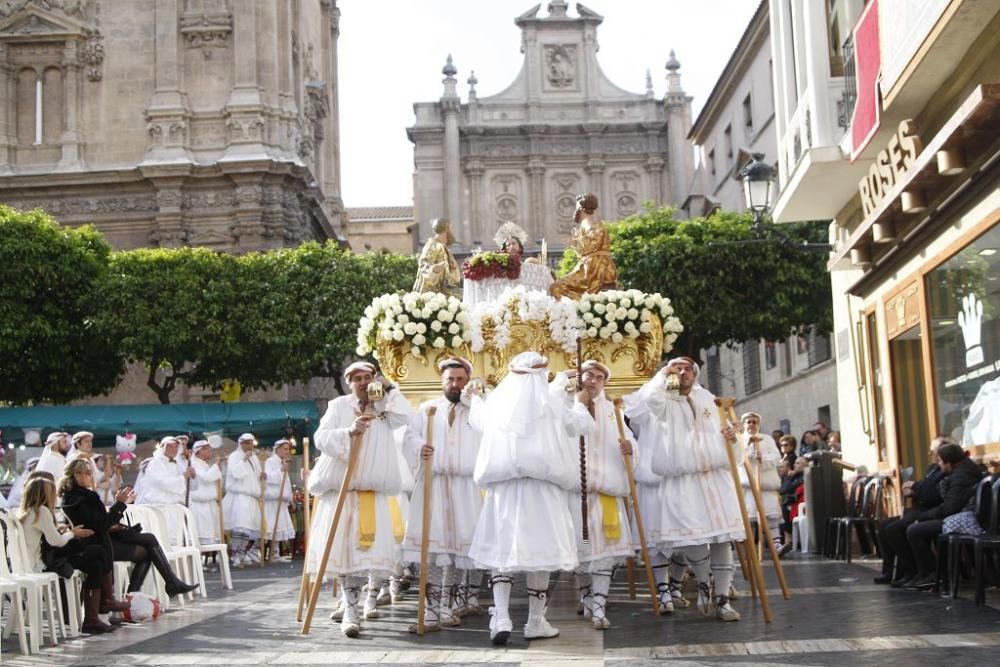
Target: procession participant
[204, 492]
[527, 466]
[608, 523]
[53, 458]
[241, 505]
[276, 497]
[140, 479]
[365, 542]
[455, 498]
[763, 456]
[82, 446]
[165, 483]
[700, 513]
[110, 477]
[16, 491]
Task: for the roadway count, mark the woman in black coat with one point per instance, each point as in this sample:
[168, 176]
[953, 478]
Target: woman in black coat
[123, 543]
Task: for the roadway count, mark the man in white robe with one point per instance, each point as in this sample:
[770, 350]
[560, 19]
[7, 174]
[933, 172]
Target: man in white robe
[763, 454]
[365, 541]
[455, 498]
[278, 495]
[205, 492]
[527, 466]
[82, 446]
[241, 506]
[700, 512]
[53, 458]
[608, 524]
[165, 483]
[17, 490]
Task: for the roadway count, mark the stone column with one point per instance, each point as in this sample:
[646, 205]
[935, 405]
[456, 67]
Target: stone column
[167, 113]
[170, 230]
[654, 167]
[474, 170]
[595, 171]
[248, 229]
[7, 130]
[452, 174]
[70, 139]
[536, 188]
[334, 205]
[245, 108]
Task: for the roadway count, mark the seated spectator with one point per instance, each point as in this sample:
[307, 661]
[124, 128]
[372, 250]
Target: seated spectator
[810, 442]
[957, 486]
[821, 430]
[787, 445]
[777, 434]
[58, 548]
[791, 485]
[833, 442]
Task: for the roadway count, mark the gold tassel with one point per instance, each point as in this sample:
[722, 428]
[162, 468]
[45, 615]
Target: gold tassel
[366, 518]
[609, 517]
[398, 527]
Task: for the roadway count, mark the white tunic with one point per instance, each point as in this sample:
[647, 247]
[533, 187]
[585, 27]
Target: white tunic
[52, 462]
[528, 470]
[96, 475]
[697, 492]
[648, 438]
[770, 481]
[379, 468]
[241, 506]
[164, 482]
[455, 497]
[272, 506]
[605, 476]
[205, 500]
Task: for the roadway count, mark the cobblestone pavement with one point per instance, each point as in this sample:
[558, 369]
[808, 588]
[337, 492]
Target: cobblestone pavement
[835, 616]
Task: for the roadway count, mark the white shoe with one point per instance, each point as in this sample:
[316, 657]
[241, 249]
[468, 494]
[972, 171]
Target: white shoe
[539, 628]
[384, 597]
[449, 619]
[599, 624]
[500, 626]
[338, 613]
[723, 611]
[351, 630]
[252, 557]
[666, 606]
[370, 610]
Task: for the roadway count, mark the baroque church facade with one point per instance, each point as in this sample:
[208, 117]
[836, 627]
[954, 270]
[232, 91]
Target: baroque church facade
[174, 122]
[559, 129]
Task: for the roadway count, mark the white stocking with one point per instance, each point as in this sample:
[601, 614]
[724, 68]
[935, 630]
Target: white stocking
[538, 594]
[722, 567]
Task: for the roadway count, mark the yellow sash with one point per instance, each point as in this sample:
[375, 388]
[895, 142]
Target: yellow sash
[366, 518]
[609, 517]
[398, 528]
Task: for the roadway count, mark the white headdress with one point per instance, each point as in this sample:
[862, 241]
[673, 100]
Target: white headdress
[522, 396]
[510, 230]
[359, 366]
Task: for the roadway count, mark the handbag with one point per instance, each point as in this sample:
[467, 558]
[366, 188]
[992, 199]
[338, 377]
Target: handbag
[962, 523]
[57, 559]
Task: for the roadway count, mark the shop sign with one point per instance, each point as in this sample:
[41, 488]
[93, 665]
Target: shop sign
[890, 166]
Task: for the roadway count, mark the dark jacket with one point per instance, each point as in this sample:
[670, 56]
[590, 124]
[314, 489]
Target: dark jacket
[789, 484]
[926, 494]
[84, 508]
[956, 488]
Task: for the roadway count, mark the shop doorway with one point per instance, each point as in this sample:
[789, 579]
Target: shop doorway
[910, 401]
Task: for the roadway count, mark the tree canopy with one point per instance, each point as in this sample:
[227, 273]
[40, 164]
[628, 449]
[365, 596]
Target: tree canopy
[724, 292]
[51, 347]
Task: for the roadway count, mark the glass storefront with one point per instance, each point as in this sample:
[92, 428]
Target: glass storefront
[963, 296]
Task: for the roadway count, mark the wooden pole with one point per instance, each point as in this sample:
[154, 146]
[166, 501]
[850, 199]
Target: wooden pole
[650, 580]
[352, 462]
[428, 465]
[585, 527]
[725, 405]
[739, 546]
[307, 505]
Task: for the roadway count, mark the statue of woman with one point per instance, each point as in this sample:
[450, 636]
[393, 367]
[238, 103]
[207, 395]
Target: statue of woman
[437, 270]
[595, 270]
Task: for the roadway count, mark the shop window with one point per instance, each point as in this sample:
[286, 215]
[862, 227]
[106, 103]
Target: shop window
[963, 296]
[877, 384]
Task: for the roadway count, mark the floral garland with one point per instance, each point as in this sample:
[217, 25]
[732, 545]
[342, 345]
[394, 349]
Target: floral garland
[616, 315]
[427, 319]
[492, 264]
[530, 306]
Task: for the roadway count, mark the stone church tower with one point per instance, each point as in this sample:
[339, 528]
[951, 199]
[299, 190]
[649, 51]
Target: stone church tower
[561, 128]
[174, 122]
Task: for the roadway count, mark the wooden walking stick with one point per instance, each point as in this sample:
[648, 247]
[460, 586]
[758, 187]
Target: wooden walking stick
[187, 480]
[352, 462]
[739, 546]
[765, 530]
[757, 572]
[585, 528]
[307, 507]
[638, 513]
[428, 464]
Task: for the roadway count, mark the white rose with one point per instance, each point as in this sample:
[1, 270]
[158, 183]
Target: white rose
[632, 313]
[421, 327]
[604, 332]
[612, 326]
[616, 337]
[645, 327]
[403, 318]
[419, 340]
[397, 335]
[410, 328]
[650, 301]
[453, 328]
[456, 341]
[588, 317]
[436, 325]
[439, 342]
[625, 303]
[599, 308]
[622, 313]
[592, 332]
[585, 306]
[629, 327]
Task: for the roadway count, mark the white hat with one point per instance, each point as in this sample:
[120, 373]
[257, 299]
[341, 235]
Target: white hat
[32, 436]
[82, 434]
[55, 436]
[166, 441]
[214, 438]
[282, 441]
[359, 366]
[593, 363]
[745, 415]
[529, 362]
[453, 361]
[247, 436]
[183, 437]
[198, 444]
[687, 360]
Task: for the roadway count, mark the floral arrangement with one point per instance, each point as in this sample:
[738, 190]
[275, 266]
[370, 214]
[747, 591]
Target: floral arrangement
[427, 319]
[492, 264]
[529, 306]
[616, 315]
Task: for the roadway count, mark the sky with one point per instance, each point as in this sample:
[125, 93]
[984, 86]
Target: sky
[391, 53]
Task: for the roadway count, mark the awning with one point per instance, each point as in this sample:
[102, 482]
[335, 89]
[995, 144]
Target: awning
[265, 420]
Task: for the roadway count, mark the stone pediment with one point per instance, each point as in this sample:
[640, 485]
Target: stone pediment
[33, 22]
[211, 237]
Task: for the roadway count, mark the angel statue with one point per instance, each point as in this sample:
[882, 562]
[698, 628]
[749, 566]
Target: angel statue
[595, 270]
[437, 270]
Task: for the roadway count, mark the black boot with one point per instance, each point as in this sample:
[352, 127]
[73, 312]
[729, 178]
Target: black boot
[174, 585]
[139, 572]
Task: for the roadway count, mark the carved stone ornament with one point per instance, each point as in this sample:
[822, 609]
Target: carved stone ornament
[560, 65]
[207, 30]
[80, 9]
[42, 18]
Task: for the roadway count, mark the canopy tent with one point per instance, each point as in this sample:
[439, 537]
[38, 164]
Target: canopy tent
[268, 421]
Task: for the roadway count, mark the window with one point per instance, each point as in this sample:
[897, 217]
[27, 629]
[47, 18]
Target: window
[819, 347]
[788, 359]
[728, 134]
[770, 354]
[713, 370]
[711, 162]
[751, 366]
[748, 115]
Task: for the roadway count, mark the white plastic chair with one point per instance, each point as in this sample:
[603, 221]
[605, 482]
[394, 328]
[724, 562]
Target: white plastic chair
[42, 590]
[153, 585]
[191, 526]
[15, 610]
[176, 516]
[800, 529]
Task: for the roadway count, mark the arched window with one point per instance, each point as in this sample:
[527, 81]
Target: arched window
[51, 99]
[28, 102]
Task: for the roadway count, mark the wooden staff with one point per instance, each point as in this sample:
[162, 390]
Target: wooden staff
[428, 464]
[307, 506]
[738, 546]
[765, 530]
[585, 529]
[635, 505]
[187, 480]
[352, 462]
[725, 405]
[277, 514]
[260, 504]
[218, 503]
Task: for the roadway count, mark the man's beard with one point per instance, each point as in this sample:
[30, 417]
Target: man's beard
[455, 395]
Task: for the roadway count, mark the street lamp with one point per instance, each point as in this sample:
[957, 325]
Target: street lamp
[757, 177]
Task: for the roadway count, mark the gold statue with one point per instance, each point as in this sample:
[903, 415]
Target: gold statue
[437, 270]
[595, 270]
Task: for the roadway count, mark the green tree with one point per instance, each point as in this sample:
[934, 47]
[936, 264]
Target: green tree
[723, 292]
[51, 346]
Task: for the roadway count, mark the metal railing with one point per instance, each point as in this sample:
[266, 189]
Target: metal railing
[845, 107]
